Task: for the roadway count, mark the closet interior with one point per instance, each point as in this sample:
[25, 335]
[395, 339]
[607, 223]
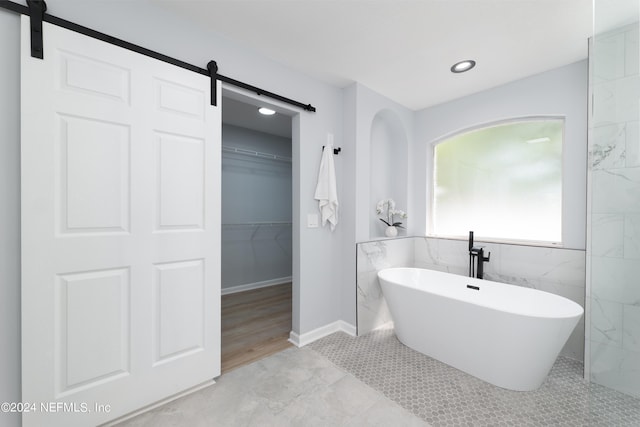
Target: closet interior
[256, 233]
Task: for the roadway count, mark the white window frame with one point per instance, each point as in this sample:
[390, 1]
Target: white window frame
[431, 184]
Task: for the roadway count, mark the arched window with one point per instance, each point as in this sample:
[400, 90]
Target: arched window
[503, 181]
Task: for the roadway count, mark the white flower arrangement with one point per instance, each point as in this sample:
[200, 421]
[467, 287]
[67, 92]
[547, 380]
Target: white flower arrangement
[389, 205]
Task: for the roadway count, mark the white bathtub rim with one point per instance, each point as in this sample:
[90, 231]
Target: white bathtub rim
[574, 309]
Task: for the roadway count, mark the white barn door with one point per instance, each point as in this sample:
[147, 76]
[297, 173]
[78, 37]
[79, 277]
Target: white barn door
[120, 230]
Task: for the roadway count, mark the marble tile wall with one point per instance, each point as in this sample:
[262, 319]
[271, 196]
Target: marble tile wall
[372, 310]
[559, 271]
[614, 232]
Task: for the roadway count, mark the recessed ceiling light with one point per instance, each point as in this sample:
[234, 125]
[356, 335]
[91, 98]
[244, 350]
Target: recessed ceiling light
[462, 66]
[266, 111]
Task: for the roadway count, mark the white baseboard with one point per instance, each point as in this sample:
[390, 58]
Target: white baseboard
[256, 285]
[300, 340]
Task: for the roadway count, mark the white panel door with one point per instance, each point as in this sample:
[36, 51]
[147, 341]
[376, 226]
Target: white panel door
[120, 230]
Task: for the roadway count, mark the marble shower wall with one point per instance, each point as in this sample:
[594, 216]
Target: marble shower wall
[614, 214]
[559, 271]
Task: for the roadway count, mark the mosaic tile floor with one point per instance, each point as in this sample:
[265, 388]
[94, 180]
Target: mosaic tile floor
[444, 396]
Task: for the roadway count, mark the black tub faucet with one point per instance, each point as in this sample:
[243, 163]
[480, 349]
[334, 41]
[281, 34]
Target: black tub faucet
[476, 256]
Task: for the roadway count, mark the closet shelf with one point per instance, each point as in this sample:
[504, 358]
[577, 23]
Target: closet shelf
[269, 156]
[254, 227]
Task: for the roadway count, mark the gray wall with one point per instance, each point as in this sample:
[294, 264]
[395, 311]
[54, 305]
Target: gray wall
[378, 123]
[363, 107]
[324, 262]
[9, 215]
[255, 190]
[560, 92]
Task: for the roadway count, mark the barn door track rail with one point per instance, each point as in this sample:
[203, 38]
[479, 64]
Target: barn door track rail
[36, 10]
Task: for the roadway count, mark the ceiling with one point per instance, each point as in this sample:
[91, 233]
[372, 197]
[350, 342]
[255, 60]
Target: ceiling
[403, 49]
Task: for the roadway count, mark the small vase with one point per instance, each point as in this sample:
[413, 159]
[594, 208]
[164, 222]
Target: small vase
[391, 231]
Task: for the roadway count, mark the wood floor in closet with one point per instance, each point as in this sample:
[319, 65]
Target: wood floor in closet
[255, 324]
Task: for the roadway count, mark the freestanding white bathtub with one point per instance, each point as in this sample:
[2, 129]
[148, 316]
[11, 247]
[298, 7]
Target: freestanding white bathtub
[506, 335]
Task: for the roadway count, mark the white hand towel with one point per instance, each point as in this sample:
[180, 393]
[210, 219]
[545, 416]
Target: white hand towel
[326, 192]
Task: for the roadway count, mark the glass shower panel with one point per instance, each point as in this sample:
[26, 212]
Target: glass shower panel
[613, 239]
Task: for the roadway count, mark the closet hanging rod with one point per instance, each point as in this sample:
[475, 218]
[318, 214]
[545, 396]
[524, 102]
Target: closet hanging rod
[269, 156]
[24, 10]
[253, 224]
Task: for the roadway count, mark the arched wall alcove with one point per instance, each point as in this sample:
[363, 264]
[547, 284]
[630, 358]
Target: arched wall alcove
[388, 168]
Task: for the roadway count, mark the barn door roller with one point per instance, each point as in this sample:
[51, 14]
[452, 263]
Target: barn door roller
[212, 66]
[37, 8]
